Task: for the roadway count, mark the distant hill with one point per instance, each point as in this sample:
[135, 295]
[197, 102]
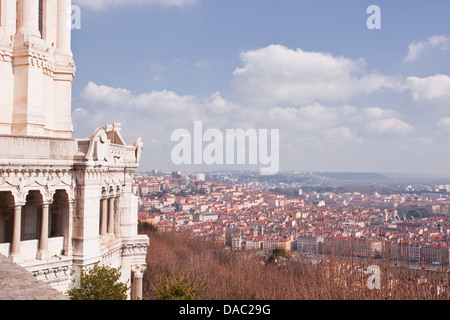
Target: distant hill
[353, 176]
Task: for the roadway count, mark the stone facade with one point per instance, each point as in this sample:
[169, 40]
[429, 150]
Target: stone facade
[65, 203]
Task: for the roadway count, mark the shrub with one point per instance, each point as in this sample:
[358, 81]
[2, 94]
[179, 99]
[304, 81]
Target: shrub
[146, 227]
[178, 288]
[277, 256]
[99, 283]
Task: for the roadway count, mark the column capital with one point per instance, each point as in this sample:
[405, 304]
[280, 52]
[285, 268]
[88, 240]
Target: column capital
[20, 195]
[138, 270]
[18, 204]
[47, 195]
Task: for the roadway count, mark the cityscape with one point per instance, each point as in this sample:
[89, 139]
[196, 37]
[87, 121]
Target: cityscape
[405, 225]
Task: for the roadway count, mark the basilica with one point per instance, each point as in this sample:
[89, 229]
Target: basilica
[65, 203]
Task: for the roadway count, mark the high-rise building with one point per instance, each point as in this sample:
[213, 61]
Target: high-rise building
[200, 176]
[65, 203]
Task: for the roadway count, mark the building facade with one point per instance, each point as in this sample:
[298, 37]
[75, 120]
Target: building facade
[308, 244]
[65, 203]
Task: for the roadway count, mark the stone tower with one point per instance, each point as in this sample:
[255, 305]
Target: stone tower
[65, 203]
[37, 68]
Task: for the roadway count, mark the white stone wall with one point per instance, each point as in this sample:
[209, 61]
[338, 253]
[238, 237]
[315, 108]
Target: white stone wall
[36, 69]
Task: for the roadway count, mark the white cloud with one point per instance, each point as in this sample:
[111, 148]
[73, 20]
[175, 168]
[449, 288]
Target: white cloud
[377, 113]
[341, 135]
[276, 75]
[366, 115]
[159, 102]
[419, 48]
[310, 117]
[202, 63]
[444, 124]
[98, 105]
[105, 94]
[106, 4]
[422, 141]
[435, 88]
[389, 127]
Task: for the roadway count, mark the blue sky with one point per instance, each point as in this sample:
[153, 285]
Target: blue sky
[344, 97]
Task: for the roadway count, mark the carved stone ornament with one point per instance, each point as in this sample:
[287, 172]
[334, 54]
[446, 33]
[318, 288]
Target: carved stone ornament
[138, 270]
[139, 145]
[99, 146]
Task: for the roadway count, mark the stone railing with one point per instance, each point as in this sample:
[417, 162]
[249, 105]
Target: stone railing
[32, 148]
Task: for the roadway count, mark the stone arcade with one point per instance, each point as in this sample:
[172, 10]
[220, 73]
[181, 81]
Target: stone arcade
[64, 203]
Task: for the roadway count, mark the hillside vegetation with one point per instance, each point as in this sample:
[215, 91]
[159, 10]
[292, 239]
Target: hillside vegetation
[218, 274]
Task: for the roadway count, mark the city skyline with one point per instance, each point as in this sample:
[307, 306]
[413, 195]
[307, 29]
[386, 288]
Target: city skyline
[345, 98]
[253, 216]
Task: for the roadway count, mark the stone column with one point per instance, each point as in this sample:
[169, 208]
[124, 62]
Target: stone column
[29, 60]
[29, 17]
[117, 215]
[64, 27]
[15, 255]
[136, 290]
[43, 253]
[68, 247]
[104, 217]
[86, 222]
[111, 216]
[129, 208]
[64, 73]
